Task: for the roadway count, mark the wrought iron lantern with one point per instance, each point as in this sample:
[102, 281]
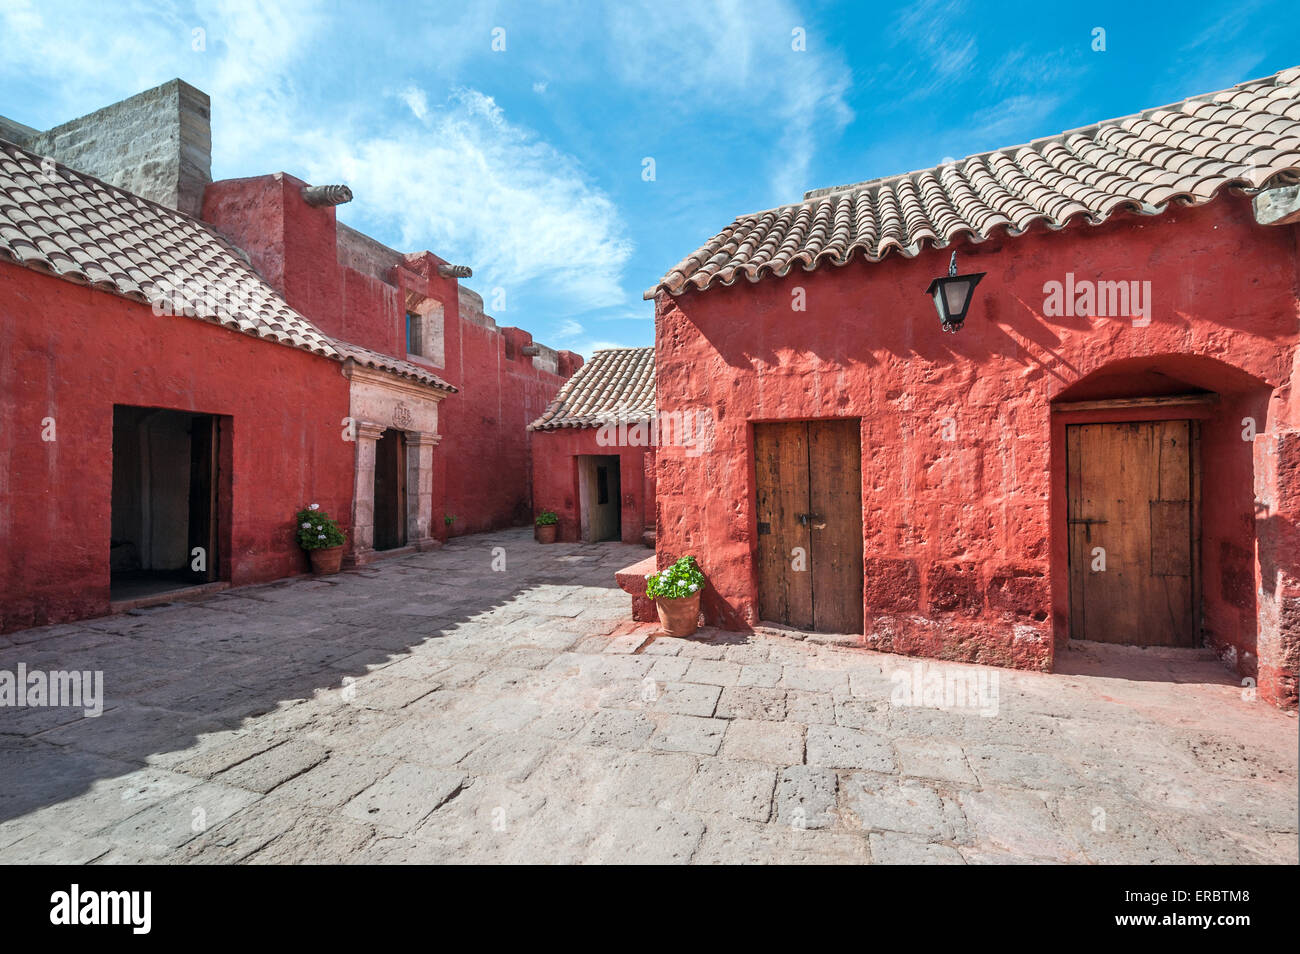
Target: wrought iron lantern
[952, 295]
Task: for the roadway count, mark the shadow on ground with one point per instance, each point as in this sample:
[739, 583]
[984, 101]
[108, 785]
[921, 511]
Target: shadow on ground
[1144, 664]
[175, 672]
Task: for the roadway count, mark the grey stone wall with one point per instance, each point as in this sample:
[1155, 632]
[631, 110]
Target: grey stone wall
[157, 144]
[16, 132]
[366, 255]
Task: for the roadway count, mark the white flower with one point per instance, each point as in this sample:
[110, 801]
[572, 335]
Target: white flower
[306, 526]
[322, 536]
[314, 507]
[694, 587]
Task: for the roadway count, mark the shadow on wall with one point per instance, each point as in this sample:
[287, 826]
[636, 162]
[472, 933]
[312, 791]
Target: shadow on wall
[866, 314]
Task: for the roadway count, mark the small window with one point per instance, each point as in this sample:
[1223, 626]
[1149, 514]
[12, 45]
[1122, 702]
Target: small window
[414, 340]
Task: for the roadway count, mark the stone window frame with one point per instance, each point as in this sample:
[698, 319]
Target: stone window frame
[430, 325]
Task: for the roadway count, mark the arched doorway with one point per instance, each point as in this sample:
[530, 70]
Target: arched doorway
[1153, 506]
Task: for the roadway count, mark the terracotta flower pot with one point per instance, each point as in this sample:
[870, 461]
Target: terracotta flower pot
[679, 617]
[546, 532]
[326, 560]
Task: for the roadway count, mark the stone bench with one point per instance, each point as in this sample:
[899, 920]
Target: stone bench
[631, 579]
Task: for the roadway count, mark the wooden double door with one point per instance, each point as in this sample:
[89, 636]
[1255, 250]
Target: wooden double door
[1132, 510]
[809, 509]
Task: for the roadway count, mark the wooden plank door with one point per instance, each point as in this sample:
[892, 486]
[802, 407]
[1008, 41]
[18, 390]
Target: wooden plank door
[835, 505]
[1131, 508]
[809, 512]
[781, 460]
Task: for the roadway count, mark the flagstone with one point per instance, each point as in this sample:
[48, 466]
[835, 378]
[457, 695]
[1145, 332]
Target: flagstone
[424, 711]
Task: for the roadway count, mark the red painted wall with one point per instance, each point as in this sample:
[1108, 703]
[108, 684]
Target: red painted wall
[486, 466]
[482, 465]
[71, 353]
[555, 480]
[964, 538]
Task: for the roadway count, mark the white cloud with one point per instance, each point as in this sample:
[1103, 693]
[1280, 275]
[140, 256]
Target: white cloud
[1014, 120]
[934, 28]
[568, 329]
[415, 100]
[463, 181]
[60, 49]
[734, 55]
[481, 190]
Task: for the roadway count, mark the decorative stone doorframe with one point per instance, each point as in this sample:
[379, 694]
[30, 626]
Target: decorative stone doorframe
[419, 490]
[381, 402]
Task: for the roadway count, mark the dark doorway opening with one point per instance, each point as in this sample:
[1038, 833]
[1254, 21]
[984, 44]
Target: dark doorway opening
[600, 490]
[167, 490]
[390, 490]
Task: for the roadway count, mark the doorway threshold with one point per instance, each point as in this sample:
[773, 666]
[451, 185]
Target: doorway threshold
[374, 556]
[164, 596]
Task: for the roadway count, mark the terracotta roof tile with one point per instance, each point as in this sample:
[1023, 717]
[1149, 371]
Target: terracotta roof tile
[1188, 153]
[617, 384]
[398, 366]
[75, 227]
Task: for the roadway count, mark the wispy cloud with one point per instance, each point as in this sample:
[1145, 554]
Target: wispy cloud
[486, 191]
[935, 46]
[733, 55]
[459, 177]
[416, 101]
[1215, 57]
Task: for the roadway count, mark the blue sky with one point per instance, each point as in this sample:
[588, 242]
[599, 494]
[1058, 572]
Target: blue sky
[529, 163]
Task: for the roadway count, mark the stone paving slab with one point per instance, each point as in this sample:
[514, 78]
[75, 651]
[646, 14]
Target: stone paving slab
[429, 710]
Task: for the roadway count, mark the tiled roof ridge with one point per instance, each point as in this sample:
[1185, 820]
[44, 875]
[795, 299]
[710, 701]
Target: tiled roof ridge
[102, 213]
[91, 177]
[216, 232]
[617, 385]
[1131, 163]
[1086, 130]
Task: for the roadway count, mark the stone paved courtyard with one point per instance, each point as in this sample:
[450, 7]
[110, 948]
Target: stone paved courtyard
[430, 709]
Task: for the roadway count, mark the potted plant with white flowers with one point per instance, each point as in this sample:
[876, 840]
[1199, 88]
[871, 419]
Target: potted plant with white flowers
[676, 592]
[319, 534]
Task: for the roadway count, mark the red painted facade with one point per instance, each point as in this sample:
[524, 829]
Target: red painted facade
[486, 469]
[964, 526]
[71, 353]
[555, 480]
[296, 247]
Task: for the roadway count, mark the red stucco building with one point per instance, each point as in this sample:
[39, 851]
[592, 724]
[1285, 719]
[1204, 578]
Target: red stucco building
[594, 450]
[175, 385]
[413, 308]
[1108, 449]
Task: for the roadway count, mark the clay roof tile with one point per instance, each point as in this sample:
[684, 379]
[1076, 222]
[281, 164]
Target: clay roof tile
[1247, 136]
[62, 222]
[616, 385]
